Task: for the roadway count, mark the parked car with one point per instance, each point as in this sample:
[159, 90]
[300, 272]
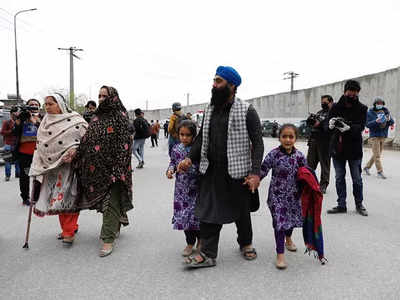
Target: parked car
[269, 128]
[304, 129]
[4, 115]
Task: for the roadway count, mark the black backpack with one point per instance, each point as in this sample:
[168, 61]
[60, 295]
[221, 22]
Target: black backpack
[146, 129]
[142, 128]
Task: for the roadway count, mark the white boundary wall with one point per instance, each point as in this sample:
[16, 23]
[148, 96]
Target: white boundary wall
[298, 104]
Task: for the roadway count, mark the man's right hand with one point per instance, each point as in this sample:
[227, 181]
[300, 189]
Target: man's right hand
[317, 123]
[332, 123]
[184, 165]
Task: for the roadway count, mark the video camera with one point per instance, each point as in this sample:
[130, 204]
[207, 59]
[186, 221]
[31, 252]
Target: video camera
[24, 111]
[312, 119]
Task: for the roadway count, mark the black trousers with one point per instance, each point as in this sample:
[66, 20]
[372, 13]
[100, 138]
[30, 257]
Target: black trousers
[25, 162]
[154, 140]
[318, 152]
[209, 235]
[192, 236]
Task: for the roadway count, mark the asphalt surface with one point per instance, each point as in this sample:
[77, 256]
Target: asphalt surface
[363, 252]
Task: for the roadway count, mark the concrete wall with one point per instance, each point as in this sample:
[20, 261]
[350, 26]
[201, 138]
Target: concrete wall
[299, 103]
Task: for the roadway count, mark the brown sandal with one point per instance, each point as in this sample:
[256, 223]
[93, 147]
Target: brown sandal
[68, 241]
[249, 253]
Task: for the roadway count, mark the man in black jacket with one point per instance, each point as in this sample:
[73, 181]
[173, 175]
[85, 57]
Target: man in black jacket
[318, 143]
[142, 132]
[347, 120]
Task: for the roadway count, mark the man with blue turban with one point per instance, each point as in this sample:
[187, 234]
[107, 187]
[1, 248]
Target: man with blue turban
[229, 149]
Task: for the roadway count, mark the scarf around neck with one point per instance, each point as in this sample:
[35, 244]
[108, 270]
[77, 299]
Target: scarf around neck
[57, 134]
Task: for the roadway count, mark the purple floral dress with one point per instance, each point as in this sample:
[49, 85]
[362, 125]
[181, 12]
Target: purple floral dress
[186, 189]
[283, 195]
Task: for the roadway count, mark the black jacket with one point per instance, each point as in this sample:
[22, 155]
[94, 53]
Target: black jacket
[142, 128]
[348, 145]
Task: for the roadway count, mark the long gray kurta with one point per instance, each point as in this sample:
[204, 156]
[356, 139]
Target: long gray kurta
[221, 198]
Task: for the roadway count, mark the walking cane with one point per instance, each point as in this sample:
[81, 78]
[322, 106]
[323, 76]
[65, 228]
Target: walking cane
[26, 245]
[34, 197]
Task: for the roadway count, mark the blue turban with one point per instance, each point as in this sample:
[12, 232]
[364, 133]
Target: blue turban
[229, 74]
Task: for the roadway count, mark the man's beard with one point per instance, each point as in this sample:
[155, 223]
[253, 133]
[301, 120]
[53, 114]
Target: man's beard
[220, 96]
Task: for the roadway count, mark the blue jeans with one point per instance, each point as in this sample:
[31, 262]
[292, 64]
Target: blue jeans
[355, 171]
[8, 164]
[138, 149]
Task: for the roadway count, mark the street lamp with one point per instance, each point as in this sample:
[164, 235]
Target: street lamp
[16, 52]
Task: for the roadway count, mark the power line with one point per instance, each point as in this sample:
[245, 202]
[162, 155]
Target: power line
[7, 11]
[5, 19]
[27, 25]
[5, 27]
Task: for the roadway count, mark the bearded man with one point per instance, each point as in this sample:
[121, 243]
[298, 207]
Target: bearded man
[230, 149]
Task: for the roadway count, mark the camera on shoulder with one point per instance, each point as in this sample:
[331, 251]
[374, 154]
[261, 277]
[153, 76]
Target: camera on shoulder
[312, 119]
[24, 112]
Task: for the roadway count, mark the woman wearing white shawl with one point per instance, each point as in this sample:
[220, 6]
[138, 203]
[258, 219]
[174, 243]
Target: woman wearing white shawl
[54, 182]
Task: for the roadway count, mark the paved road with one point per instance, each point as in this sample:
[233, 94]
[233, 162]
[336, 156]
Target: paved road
[363, 252]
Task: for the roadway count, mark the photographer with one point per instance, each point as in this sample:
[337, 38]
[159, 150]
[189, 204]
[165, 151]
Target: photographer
[347, 120]
[9, 141]
[90, 108]
[25, 130]
[318, 143]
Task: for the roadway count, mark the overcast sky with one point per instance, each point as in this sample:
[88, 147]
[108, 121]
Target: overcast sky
[161, 50]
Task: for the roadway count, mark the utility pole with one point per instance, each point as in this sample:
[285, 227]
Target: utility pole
[187, 98]
[16, 51]
[72, 54]
[147, 104]
[291, 75]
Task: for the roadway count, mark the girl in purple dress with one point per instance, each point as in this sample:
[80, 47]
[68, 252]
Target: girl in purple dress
[186, 185]
[284, 196]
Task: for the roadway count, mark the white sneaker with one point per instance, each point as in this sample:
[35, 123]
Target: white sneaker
[366, 170]
[381, 175]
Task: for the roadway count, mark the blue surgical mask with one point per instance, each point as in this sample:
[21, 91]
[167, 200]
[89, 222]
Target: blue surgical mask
[379, 107]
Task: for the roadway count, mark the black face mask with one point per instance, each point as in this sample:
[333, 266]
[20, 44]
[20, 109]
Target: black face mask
[220, 96]
[324, 106]
[350, 100]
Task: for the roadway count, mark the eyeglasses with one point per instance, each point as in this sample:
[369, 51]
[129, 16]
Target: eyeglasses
[102, 96]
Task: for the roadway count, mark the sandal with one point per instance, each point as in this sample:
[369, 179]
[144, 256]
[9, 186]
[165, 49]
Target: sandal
[60, 236]
[249, 253]
[105, 252]
[206, 261]
[68, 241]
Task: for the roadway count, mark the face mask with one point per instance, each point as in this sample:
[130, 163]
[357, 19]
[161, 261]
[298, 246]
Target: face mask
[379, 107]
[325, 106]
[351, 100]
